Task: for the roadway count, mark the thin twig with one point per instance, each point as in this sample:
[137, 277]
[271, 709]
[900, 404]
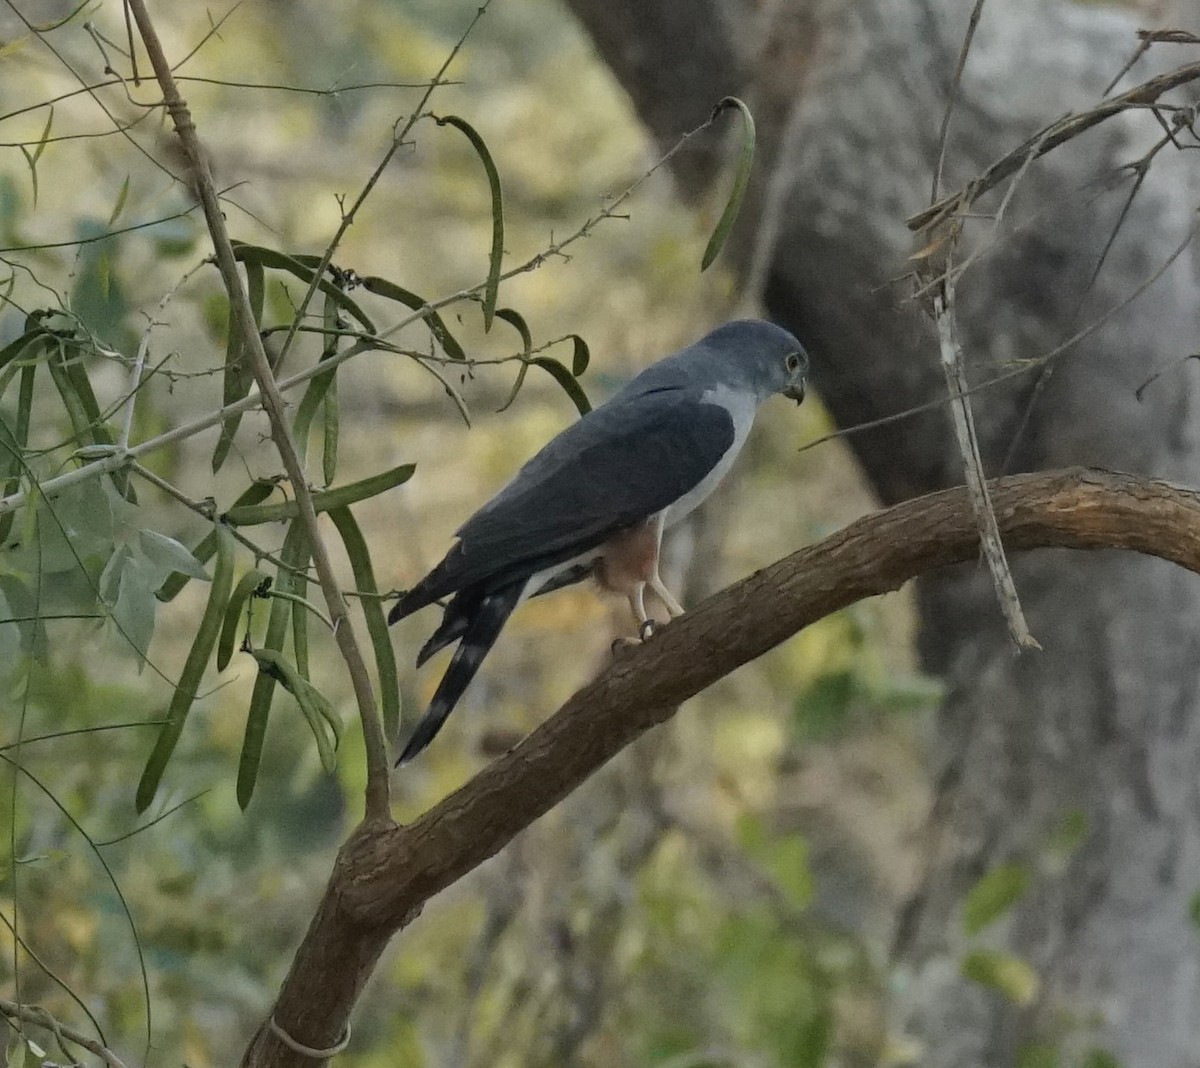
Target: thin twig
[1052, 137]
[139, 364]
[968, 445]
[955, 83]
[35, 1014]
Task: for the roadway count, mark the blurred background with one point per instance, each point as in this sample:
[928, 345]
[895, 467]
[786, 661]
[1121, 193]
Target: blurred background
[886, 842]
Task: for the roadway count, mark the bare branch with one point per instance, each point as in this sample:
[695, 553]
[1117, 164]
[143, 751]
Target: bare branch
[384, 876]
[1057, 133]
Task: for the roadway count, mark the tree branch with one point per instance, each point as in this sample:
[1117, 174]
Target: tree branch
[384, 876]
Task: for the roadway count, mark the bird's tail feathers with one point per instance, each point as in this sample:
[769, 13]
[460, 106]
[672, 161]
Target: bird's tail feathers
[453, 626]
[478, 635]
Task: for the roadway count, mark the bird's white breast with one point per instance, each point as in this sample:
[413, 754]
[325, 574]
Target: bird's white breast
[741, 408]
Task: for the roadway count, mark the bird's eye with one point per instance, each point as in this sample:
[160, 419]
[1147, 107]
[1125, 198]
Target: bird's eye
[792, 362]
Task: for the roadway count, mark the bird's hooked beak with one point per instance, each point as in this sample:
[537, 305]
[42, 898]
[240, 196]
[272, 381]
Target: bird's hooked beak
[795, 391]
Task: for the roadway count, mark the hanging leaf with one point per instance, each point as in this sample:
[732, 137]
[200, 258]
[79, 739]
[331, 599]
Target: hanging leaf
[437, 327]
[741, 179]
[515, 319]
[253, 583]
[492, 285]
[581, 357]
[569, 383]
[193, 670]
[372, 607]
[293, 557]
[316, 707]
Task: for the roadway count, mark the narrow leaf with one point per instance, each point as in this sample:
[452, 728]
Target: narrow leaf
[119, 206]
[20, 442]
[193, 671]
[569, 383]
[323, 500]
[741, 180]
[437, 327]
[372, 608]
[236, 384]
[517, 320]
[203, 552]
[252, 583]
[281, 261]
[329, 449]
[294, 557]
[492, 286]
[316, 707]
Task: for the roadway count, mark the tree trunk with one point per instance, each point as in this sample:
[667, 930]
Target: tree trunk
[1077, 763]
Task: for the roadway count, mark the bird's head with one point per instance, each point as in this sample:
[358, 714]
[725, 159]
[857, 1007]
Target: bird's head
[762, 357]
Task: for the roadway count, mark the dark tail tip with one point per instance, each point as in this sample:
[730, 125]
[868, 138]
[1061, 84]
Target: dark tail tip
[478, 634]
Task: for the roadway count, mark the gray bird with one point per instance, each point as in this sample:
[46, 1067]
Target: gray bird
[597, 498]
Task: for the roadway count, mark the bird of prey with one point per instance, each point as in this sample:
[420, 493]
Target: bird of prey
[597, 498]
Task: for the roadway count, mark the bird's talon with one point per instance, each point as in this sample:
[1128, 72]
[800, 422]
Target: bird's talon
[646, 629]
[619, 645]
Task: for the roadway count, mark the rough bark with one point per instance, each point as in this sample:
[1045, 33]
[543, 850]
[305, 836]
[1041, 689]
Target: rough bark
[850, 96]
[385, 873]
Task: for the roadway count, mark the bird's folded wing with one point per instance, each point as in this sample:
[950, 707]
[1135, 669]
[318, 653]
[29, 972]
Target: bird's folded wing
[624, 462]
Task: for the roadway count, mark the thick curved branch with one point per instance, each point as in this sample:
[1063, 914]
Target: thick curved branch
[383, 877]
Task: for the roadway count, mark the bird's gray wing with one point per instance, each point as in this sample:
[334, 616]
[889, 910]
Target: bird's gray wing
[616, 466]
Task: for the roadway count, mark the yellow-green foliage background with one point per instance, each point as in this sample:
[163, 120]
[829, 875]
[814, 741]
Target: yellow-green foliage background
[719, 893]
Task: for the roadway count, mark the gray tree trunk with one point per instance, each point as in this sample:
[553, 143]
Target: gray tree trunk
[1100, 732]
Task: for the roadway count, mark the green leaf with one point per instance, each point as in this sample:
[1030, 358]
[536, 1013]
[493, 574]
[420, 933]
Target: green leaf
[31, 158]
[19, 441]
[323, 500]
[252, 583]
[329, 442]
[564, 378]
[581, 356]
[133, 611]
[492, 285]
[317, 708]
[1038, 1055]
[294, 557]
[1070, 834]
[741, 180]
[15, 1054]
[257, 491]
[516, 319]
[372, 608]
[119, 206]
[1004, 972]
[1099, 1058]
[822, 708]
[236, 385]
[193, 670]
[993, 895]
[169, 553]
[437, 327]
[281, 261]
